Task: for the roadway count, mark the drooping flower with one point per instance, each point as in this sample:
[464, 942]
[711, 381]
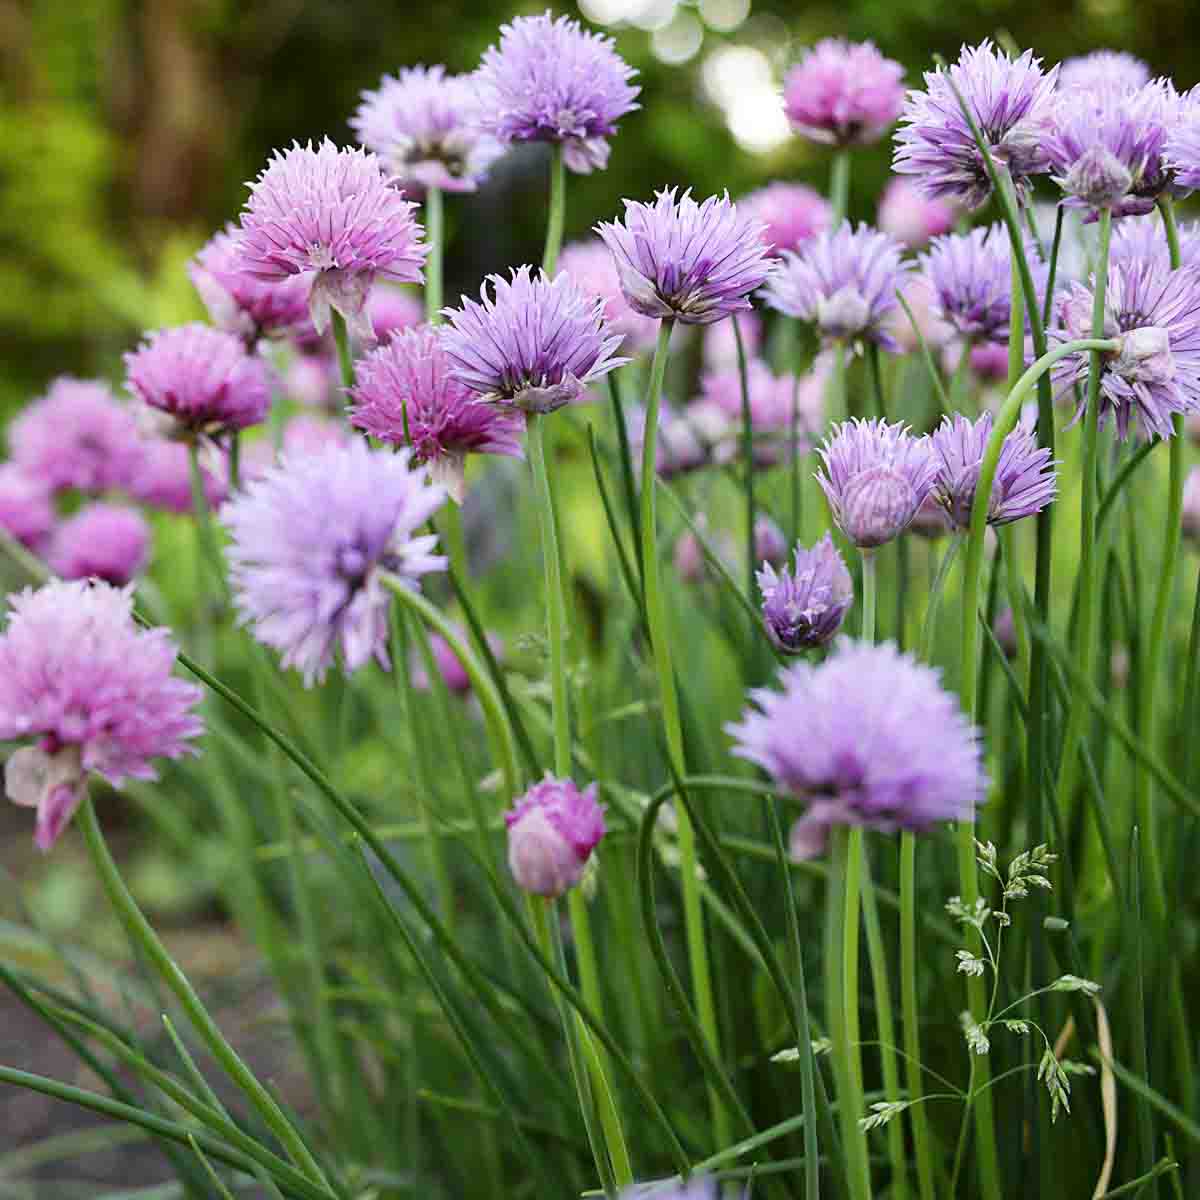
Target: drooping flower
[790, 213]
[911, 217]
[302, 435]
[92, 691]
[844, 282]
[425, 126]
[163, 479]
[449, 666]
[390, 310]
[551, 81]
[803, 608]
[1103, 70]
[534, 343]
[331, 215]
[591, 266]
[200, 377]
[876, 478]
[78, 435]
[1143, 239]
[1025, 480]
[406, 394]
[239, 302]
[1011, 101]
[1156, 372]
[552, 830]
[26, 511]
[870, 737]
[843, 93]
[693, 263]
[102, 541]
[311, 539]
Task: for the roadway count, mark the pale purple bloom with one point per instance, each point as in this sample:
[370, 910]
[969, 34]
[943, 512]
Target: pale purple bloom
[679, 260]
[425, 126]
[551, 81]
[78, 435]
[1012, 103]
[911, 217]
[876, 478]
[92, 691]
[1182, 149]
[390, 310]
[313, 380]
[406, 394]
[1103, 70]
[26, 511]
[919, 296]
[201, 377]
[1143, 239]
[450, 668]
[870, 737]
[591, 266]
[534, 344]
[930, 520]
[770, 546]
[1025, 480]
[163, 478]
[240, 303]
[1156, 372]
[311, 539]
[102, 541]
[1190, 513]
[843, 93]
[302, 435]
[720, 340]
[989, 360]
[684, 441]
[697, 1188]
[791, 213]
[332, 215]
[689, 558]
[808, 838]
[803, 608]
[552, 830]
[844, 282]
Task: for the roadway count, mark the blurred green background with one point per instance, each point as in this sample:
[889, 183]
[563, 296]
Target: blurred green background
[130, 128]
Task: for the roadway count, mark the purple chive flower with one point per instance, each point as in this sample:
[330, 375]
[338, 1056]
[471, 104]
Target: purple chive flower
[720, 341]
[693, 263]
[313, 380]
[535, 343]
[302, 436]
[844, 282]
[989, 361]
[591, 266]
[1103, 70]
[406, 394]
[1012, 102]
[919, 295]
[876, 478]
[310, 541]
[552, 830]
[870, 736]
[1190, 513]
[1142, 239]
[330, 214]
[1181, 151]
[1025, 480]
[930, 520]
[697, 1188]
[1156, 372]
[201, 377]
[26, 512]
[843, 93]
[240, 303]
[770, 546]
[390, 310]
[164, 480]
[454, 674]
[791, 214]
[910, 217]
[92, 691]
[425, 127]
[78, 435]
[550, 81]
[803, 608]
[102, 541]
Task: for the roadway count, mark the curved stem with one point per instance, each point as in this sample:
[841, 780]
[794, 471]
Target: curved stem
[435, 235]
[558, 210]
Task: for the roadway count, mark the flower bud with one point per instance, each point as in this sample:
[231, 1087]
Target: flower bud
[552, 832]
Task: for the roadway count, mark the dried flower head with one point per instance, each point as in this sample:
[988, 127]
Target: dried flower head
[102, 541]
[803, 608]
[843, 93]
[552, 830]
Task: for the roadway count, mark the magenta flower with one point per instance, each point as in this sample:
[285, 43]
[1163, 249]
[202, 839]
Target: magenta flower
[911, 217]
[591, 266]
[26, 511]
[1103, 70]
[92, 691]
[201, 377]
[876, 478]
[844, 282]
[102, 541]
[425, 126]
[163, 479]
[693, 263]
[1012, 102]
[311, 539]
[843, 93]
[550, 81]
[1025, 480]
[78, 435]
[406, 394]
[390, 310]
[552, 830]
[870, 737]
[790, 213]
[534, 343]
[449, 667]
[240, 303]
[330, 214]
[803, 608]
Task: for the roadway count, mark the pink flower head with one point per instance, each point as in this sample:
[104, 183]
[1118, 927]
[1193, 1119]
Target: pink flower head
[92, 691]
[390, 310]
[720, 341]
[552, 830]
[26, 511]
[843, 93]
[163, 479]
[313, 380]
[911, 217]
[454, 674]
[791, 213]
[302, 435]
[591, 266]
[102, 541]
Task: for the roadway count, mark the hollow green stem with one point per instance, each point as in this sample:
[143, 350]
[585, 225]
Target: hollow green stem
[867, 632]
[435, 239]
[341, 340]
[558, 209]
[839, 187]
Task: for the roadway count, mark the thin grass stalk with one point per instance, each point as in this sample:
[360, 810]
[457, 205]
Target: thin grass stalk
[747, 465]
[558, 210]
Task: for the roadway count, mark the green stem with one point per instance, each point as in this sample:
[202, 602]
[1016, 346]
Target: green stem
[235, 461]
[839, 187]
[1016, 597]
[558, 210]
[656, 621]
[341, 339]
[867, 633]
[876, 380]
[146, 939]
[435, 235]
[748, 466]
